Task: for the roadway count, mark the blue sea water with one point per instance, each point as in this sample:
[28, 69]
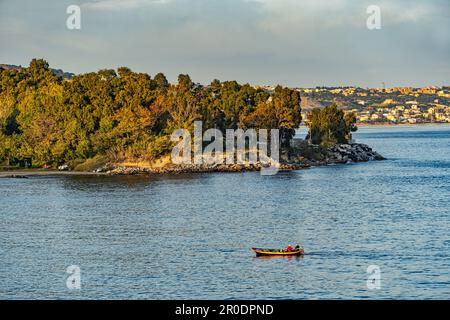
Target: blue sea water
[189, 236]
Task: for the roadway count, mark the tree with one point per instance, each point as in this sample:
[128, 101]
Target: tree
[350, 121]
[282, 111]
[330, 125]
[161, 81]
[8, 114]
[185, 82]
[125, 114]
[40, 72]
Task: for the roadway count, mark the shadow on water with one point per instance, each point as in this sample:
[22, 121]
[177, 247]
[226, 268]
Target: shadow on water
[135, 182]
[288, 258]
[146, 179]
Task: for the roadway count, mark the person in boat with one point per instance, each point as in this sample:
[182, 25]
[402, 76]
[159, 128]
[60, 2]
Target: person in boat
[289, 248]
[297, 247]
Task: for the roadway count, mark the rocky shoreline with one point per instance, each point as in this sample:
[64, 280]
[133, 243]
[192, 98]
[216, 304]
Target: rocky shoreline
[289, 160]
[294, 159]
[355, 152]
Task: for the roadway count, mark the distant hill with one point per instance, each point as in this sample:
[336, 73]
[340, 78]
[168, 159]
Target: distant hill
[309, 103]
[58, 72]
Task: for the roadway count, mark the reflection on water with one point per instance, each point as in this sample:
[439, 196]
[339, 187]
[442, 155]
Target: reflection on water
[288, 258]
[190, 235]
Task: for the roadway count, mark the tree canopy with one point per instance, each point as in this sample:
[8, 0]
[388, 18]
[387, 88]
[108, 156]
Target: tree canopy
[125, 114]
[330, 125]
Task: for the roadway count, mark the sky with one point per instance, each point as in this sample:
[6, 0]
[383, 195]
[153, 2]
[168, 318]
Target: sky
[296, 43]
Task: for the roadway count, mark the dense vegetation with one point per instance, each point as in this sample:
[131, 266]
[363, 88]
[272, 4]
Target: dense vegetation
[330, 125]
[124, 115]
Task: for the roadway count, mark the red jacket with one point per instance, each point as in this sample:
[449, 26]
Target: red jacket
[289, 248]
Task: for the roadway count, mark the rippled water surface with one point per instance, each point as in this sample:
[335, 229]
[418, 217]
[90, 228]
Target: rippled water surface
[189, 236]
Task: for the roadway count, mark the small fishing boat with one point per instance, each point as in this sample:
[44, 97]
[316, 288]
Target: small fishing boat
[278, 252]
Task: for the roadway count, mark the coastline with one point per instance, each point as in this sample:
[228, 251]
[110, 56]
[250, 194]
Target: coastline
[298, 158]
[25, 173]
[382, 124]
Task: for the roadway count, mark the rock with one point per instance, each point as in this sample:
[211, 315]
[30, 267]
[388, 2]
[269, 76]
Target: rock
[340, 153]
[123, 171]
[64, 167]
[107, 167]
[378, 157]
[354, 152]
[284, 156]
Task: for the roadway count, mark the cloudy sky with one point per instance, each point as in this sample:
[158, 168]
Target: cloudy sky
[300, 43]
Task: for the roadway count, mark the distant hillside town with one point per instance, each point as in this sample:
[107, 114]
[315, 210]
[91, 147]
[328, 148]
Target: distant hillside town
[404, 105]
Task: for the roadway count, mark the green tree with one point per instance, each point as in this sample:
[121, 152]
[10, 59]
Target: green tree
[124, 114]
[330, 125]
[281, 110]
[161, 81]
[185, 82]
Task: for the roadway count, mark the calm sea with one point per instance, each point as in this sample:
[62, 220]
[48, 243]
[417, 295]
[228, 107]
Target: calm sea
[189, 236]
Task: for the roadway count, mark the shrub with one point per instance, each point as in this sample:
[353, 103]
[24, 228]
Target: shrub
[92, 164]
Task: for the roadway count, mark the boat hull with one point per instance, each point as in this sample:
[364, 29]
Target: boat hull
[280, 253]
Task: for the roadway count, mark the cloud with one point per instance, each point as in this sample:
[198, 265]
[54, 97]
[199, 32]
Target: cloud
[117, 5]
[284, 16]
[294, 42]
